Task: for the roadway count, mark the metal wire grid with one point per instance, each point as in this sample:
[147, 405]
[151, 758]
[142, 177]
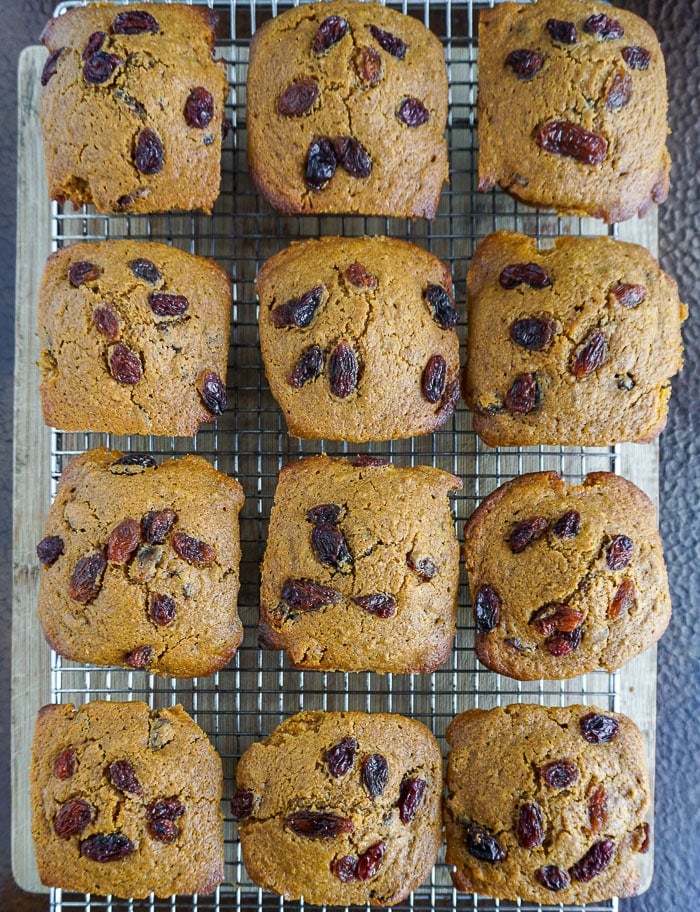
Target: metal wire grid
[245, 701]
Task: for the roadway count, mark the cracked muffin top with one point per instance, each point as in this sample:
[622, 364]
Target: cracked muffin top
[575, 345]
[125, 800]
[346, 111]
[341, 808]
[358, 338]
[565, 579]
[140, 564]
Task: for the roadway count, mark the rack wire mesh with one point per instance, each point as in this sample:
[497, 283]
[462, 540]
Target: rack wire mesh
[249, 698]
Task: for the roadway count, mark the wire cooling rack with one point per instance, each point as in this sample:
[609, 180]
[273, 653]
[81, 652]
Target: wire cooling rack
[244, 702]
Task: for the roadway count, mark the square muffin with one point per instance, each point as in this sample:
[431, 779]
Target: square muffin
[361, 568]
[347, 106]
[132, 107]
[125, 800]
[140, 564]
[134, 338]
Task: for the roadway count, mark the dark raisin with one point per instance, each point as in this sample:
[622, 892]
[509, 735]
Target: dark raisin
[123, 540]
[341, 757]
[636, 58]
[596, 859]
[199, 108]
[561, 137]
[556, 617]
[533, 333]
[433, 378]
[357, 275]
[320, 163]
[193, 550]
[560, 774]
[86, 578]
[368, 64]
[525, 63]
[424, 568]
[568, 525]
[94, 43]
[163, 830]
[106, 322]
[442, 307]
[645, 839]
[168, 305]
[530, 826]
[298, 98]
[134, 22]
[390, 43]
[329, 546]
[410, 797]
[146, 270]
[620, 91]
[148, 154]
[50, 549]
[140, 657]
[330, 31]
[81, 272]
[212, 391]
[597, 728]
[298, 311]
[306, 595]
[598, 809]
[482, 844]
[375, 774]
[51, 66]
[366, 459]
[412, 112]
[242, 803]
[619, 552]
[487, 609]
[105, 847]
[516, 643]
[552, 878]
[133, 463]
[523, 395]
[165, 809]
[562, 31]
[64, 764]
[380, 604]
[73, 817]
[324, 513]
[156, 525]
[564, 643]
[123, 776]
[625, 382]
[318, 824]
[146, 562]
[607, 28]
[353, 156]
[161, 609]
[124, 364]
[343, 370]
[98, 67]
[345, 868]
[525, 532]
[524, 274]
[370, 861]
[623, 600]
[629, 295]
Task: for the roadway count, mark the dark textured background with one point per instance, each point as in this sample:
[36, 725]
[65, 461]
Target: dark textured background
[676, 886]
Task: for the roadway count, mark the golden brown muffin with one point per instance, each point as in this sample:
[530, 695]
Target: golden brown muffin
[546, 804]
[341, 808]
[140, 564]
[361, 568]
[134, 339]
[125, 800]
[132, 107]
[565, 579]
[347, 106]
[572, 346]
[358, 338]
[572, 108]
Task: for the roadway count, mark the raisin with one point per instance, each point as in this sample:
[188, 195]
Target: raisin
[645, 839]
[442, 306]
[607, 28]
[86, 578]
[298, 98]
[123, 540]
[156, 525]
[306, 595]
[320, 163]
[134, 22]
[568, 525]
[329, 545]
[433, 378]
[629, 295]
[412, 112]
[144, 565]
[597, 728]
[597, 809]
[636, 58]
[106, 322]
[148, 154]
[50, 549]
[625, 382]
[380, 604]
[525, 63]
[562, 31]
[487, 609]
[318, 824]
[618, 554]
[165, 809]
[357, 275]
[199, 108]
[193, 550]
[353, 156]
[524, 274]
[375, 774]
[370, 861]
[522, 398]
[410, 797]
[518, 644]
[98, 67]
[556, 617]
[146, 270]
[51, 65]
[596, 859]
[525, 532]
[133, 464]
[366, 459]
[163, 830]
[212, 392]
[560, 773]
[124, 364]
[168, 305]
[424, 568]
[73, 817]
[226, 127]
[298, 311]
[368, 64]
[552, 878]
[105, 847]
[482, 844]
[530, 826]
[330, 31]
[94, 43]
[161, 609]
[345, 868]
[242, 803]
[341, 757]
[390, 43]
[620, 91]
[324, 513]
[343, 370]
[139, 658]
[123, 776]
[533, 333]
[64, 764]
[561, 137]
[564, 643]
[82, 271]
[623, 600]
